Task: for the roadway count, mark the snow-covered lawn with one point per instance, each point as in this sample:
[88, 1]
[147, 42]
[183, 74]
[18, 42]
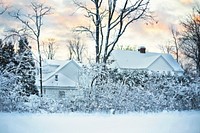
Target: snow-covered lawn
[165, 122]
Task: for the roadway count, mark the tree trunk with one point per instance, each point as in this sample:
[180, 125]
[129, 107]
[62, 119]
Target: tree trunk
[198, 58]
[40, 66]
[97, 33]
[115, 19]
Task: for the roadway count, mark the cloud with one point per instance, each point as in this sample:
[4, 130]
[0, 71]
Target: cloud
[167, 13]
[65, 16]
[186, 2]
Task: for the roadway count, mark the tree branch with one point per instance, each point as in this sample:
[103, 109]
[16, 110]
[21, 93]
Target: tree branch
[82, 29]
[4, 8]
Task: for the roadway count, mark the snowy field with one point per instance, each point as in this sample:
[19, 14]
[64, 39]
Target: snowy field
[165, 122]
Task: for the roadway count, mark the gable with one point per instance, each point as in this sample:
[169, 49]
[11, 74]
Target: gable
[176, 66]
[62, 81]
[160, 65]
[71, 70]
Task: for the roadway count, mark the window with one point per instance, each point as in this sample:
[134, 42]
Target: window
[61, 94]
[56, 77]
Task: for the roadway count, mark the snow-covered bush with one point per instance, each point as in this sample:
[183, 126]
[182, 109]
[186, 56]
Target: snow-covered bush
[107, 90]
[37, 104]
[110, 91]
[123, 91]
[11, 95]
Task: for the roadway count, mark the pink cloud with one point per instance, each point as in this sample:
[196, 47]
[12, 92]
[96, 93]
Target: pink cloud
[186, 2]
[58, 25]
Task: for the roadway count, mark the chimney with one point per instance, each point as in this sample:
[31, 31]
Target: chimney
[142, 49]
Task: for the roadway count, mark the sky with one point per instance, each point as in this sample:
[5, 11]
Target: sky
[65, 16]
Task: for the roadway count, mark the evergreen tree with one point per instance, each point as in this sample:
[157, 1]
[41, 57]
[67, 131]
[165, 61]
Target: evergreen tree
[7, 54]
[1, 55]
[26, 67]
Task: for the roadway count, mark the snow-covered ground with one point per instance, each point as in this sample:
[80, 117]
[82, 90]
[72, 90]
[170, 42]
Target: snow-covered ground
[165, 122]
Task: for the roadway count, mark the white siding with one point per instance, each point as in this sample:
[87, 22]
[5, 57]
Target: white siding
[160, 65]
[71, 70]
[69, 93]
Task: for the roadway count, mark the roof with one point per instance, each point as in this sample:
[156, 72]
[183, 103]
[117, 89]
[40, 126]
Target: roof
[135, 60]
[60, 67]
[63, 79]
[53, 62]
[174, 64]
[51, 65]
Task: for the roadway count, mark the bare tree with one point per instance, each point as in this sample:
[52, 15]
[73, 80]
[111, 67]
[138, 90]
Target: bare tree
[14, 35]
[76, 48]
[50, 48]
[175, 37]
[190, 39]
[172, 46]
[34, 23]
[111, 19]
[128, 47]
[167, 48]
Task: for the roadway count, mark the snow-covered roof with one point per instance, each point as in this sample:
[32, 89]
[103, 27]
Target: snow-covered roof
[135, 60]
[64, 79]
[60, 67]
[174, 64]
[53, 62]
[50, 66]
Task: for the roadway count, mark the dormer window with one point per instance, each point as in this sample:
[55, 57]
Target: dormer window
[56, 77]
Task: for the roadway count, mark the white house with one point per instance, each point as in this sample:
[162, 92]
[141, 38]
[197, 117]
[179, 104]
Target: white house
[142, 60]
[60, 78]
